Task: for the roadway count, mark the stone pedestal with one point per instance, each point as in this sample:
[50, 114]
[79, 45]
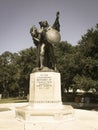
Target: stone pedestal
[45, 91]
[45, 105]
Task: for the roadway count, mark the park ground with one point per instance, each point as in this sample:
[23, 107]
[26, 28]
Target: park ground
[76, 105]
[83, 119]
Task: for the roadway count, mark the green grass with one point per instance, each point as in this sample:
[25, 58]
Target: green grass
[4, 109]
[12, 100]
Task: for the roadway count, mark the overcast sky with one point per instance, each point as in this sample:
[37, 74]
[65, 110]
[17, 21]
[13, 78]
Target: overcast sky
[17, 17]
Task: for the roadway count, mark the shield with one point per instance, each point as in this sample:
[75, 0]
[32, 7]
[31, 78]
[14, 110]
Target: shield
[53, 36]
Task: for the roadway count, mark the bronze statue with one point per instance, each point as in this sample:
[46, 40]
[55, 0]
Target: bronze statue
[44, 39]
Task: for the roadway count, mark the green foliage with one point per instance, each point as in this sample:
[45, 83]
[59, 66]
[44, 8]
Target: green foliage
[83, 82]
[25, 64]
[89, 49]
[65, 63]
[7, 71]
[89, 43]
[15, 70]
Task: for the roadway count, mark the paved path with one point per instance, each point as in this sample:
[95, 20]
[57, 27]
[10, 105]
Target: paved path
[84, 120]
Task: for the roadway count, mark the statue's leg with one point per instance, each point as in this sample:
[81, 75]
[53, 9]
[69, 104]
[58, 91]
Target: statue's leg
[53, 59]
[38, 56]
[42, 52]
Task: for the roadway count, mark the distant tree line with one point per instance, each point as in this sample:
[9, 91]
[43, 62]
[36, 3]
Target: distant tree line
[78, 66]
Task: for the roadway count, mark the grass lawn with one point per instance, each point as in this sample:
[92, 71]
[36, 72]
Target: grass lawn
[12, 100]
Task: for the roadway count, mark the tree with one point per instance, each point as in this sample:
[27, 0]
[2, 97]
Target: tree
[15, 69]
[25, 64]
[65, 63]
[6, 72]
[85, 83]
[89, 43]
[89, 48]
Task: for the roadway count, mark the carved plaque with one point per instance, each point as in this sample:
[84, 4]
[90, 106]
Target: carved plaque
[44, 86]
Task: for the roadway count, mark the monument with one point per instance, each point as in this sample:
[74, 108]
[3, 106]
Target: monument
[45, 107]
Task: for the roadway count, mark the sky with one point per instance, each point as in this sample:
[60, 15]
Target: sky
[18, 16]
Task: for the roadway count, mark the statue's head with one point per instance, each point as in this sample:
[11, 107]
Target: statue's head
[33, 30]
[43, 24]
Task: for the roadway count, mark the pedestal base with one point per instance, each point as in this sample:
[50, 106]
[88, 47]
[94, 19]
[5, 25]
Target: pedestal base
[45, 106]
[29, 113]
[45, 119]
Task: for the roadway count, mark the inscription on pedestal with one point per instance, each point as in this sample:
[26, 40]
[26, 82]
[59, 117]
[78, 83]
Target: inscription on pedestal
[44, 87]
[44, 81]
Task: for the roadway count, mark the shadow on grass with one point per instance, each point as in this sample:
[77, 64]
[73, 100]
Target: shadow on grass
[12, 100]
[4, 109]
[90, 106]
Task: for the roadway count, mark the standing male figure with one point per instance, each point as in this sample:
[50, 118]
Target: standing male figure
[44, 39]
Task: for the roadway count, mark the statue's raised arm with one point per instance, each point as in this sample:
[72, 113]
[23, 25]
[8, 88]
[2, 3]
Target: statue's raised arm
[56, 24]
